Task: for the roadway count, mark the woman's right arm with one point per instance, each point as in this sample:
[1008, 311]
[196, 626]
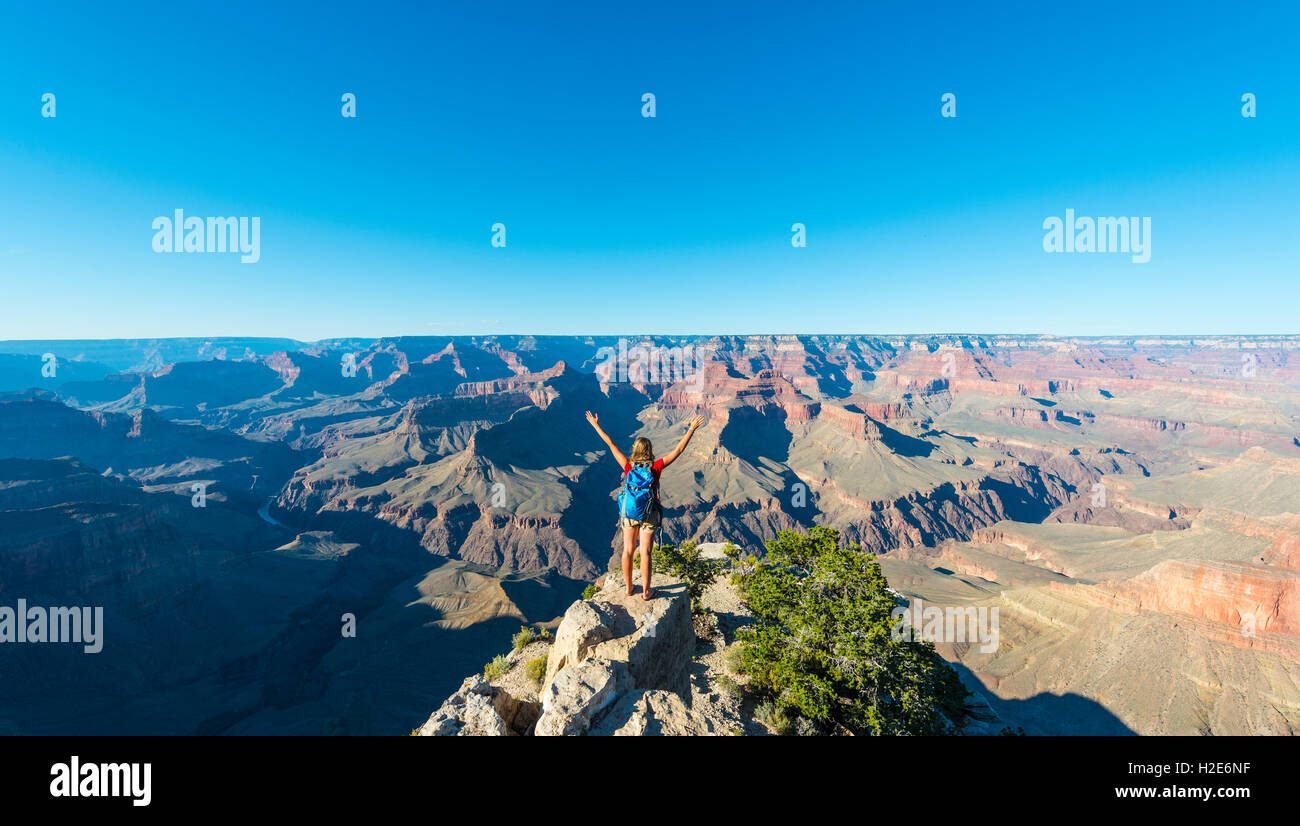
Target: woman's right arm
[696, 424]
[617, 454]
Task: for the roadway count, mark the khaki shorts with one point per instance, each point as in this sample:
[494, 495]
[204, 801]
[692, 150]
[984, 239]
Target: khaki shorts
[649, 525]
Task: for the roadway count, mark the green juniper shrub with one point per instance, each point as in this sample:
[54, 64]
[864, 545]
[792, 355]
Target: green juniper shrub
[497, 668]
[741, 567]
[821, 647]
[774, 718]
[528, 635]
[803, 727]
[688, 564]
[535, 669]
[730, 686]
[733, 659]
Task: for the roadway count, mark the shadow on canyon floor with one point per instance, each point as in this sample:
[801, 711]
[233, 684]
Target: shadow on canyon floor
[1050, 714]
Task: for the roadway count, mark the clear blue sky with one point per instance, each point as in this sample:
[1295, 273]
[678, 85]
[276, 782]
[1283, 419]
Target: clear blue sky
[529, 114]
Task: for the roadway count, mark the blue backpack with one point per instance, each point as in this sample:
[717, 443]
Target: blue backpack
[637, 493]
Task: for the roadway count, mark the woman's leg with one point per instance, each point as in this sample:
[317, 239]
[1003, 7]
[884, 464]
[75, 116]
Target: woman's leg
[647, 539]
[629, 547]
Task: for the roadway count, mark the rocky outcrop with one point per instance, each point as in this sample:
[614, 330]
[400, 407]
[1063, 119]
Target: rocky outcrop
[478, 709]
[619, 665]
[653, 713]
[584, 627]
[614, 644]
[578, 695]
[654, 638]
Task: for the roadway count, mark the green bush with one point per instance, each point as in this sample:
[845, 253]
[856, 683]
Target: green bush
[729, 686]
[821, 647]
[590, 591]
[528, 636]
[741, 566]
[803, 727]
[733, 659]
[774, 718]
[535, 669]
[687, 564]
[497, 668]
[684, 562]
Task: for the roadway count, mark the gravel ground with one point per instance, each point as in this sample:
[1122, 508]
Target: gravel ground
[515, 680]
[715, 632]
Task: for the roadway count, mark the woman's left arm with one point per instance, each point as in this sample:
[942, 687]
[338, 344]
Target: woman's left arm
[696, 423]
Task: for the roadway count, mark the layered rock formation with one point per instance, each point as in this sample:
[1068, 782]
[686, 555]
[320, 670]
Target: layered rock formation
[619, 666]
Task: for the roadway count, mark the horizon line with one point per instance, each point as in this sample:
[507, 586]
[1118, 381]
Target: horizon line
[952, 334]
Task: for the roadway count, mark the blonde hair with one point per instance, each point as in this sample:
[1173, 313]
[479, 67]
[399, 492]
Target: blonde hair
[642, 451]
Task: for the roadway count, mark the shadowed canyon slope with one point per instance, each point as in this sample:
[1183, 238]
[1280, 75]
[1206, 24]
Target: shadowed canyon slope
[1131, 507]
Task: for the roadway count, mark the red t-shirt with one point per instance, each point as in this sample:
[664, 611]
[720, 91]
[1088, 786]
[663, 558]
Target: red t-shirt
[655, 469]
